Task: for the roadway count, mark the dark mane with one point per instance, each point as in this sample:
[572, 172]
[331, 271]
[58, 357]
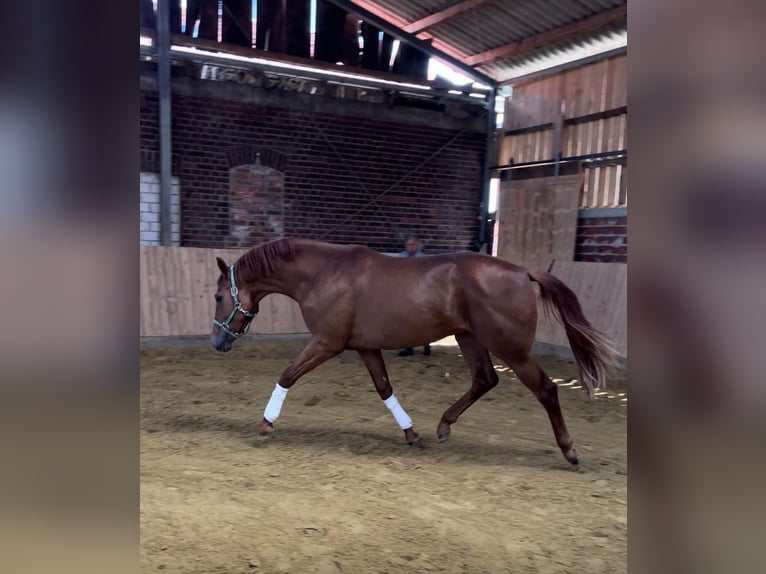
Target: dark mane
[263, 260]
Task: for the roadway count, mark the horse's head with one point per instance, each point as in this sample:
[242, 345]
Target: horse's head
[233, 309]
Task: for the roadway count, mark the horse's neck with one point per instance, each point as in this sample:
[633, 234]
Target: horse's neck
[291, 278]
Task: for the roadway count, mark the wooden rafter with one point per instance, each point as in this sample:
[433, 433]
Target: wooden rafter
[560, 34]
[442, 15]
[395, 20]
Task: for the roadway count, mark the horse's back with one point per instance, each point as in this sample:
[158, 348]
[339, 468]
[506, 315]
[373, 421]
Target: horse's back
[454, 278]
[464, 273]
[462, 267]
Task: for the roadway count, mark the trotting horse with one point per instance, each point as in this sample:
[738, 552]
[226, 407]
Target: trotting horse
[354, 298]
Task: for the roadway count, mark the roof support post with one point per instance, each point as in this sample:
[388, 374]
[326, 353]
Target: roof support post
[163, 89]
[485, 174]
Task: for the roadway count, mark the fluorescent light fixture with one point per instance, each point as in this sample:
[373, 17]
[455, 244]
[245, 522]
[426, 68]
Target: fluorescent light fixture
[144, 41]
[494, 189]
[436, 68]
[223, 57]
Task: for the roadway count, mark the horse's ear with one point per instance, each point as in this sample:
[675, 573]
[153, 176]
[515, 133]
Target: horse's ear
[222, 266]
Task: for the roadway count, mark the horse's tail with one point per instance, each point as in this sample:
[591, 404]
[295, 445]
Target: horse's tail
[592, 350]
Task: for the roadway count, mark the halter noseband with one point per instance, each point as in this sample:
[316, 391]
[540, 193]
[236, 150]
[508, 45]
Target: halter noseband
[226, 325]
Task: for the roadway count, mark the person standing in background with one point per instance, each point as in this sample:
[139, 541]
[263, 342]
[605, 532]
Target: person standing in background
[412, 248]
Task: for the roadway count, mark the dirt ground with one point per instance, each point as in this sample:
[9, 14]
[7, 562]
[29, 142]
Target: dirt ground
[337, 490]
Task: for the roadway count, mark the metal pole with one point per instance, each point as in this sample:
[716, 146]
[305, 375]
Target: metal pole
[485, 172]
[557, 129]
[163, 88]
[616, 154]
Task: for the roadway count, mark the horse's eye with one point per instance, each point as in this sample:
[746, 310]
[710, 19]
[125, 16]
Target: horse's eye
[219, 298]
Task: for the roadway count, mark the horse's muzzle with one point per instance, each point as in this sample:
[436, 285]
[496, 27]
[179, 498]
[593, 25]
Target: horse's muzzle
[221, 342]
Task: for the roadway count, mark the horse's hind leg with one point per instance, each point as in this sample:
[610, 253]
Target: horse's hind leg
[373, 360]
[484, 378]
[534, 378]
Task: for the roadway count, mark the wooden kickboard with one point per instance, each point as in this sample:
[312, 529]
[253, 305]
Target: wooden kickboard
[602, 289]
[177, 287]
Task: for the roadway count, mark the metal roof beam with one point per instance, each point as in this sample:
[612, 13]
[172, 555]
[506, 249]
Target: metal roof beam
[561, 34]
[397, 32]
[442, 15]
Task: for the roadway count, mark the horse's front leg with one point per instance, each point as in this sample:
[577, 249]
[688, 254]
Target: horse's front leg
[373, 360]
[313, 354]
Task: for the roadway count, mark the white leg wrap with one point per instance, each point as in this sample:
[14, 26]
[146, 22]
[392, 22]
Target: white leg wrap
[402, 418]
[274, 407]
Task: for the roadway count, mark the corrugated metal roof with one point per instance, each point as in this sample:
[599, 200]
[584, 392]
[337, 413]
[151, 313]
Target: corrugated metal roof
[557, 55]
[498, 23]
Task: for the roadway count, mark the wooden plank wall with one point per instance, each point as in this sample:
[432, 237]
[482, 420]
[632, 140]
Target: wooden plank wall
[537, 220]
[603, 292]
[570, 97]
[605, 186]
[177, 288]
[573, 93]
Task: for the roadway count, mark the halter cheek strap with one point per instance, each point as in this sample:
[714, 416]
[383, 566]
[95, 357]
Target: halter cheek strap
[226, 325]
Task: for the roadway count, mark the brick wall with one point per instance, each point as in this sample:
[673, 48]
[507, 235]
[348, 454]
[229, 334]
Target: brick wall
[336, 156]
[602, 235]
[149, 207]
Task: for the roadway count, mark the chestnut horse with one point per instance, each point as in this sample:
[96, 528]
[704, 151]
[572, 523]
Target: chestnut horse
[354, 298]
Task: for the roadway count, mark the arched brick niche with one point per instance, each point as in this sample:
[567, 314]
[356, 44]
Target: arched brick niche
[256, 196]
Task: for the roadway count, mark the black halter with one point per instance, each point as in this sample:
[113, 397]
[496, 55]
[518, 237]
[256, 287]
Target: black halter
[226, 325]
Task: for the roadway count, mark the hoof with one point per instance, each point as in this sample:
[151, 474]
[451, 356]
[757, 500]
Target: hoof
[443, 431]
[572, 457]
[266, 428]
[415, 443]
[412, 438]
